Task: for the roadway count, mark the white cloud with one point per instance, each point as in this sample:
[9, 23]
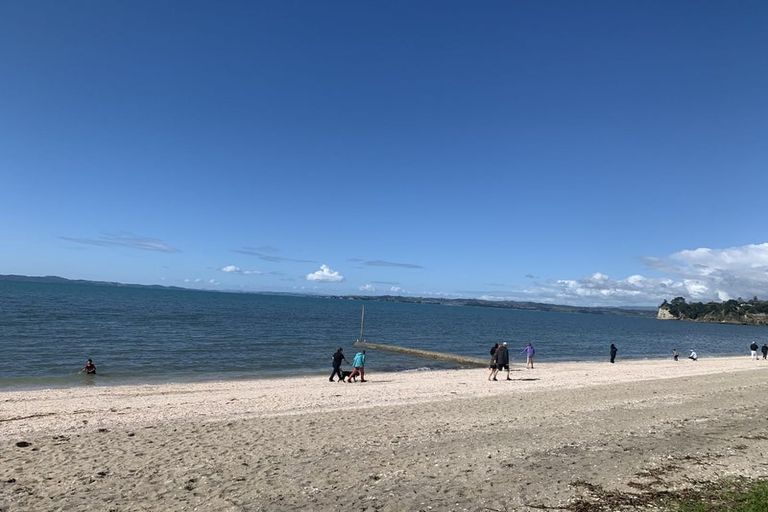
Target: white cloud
[325, 275]
[731, 272]
[396, 289]
[367, 288]
[233, 269]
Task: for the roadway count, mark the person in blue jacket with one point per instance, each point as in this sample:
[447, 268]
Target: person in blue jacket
[358, 365]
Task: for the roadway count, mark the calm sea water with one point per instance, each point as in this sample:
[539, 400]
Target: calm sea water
[47, 331]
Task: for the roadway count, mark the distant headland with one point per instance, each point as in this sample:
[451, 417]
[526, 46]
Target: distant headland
[738, 311]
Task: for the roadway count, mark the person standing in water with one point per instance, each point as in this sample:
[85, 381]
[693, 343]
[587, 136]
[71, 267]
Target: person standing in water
[338, 357]
[614, 350]
[89, 368]
[529, 352]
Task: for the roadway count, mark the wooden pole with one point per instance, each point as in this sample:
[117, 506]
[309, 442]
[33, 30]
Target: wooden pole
[362, 325]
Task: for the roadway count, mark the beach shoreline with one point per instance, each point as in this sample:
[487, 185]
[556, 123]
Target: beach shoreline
[265, 396]
[442, 438]
[103, 378]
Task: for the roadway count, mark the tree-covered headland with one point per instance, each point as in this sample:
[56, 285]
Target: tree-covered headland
[734, 311]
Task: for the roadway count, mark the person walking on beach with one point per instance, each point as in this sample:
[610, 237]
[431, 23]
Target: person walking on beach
[675, 354]
[493, 361]
[529, 352]
[753, 351]
[338, 357]
[765, 350]
[502, 359]
[613, 353]
[358, 367]
[89, 368]
[693, 356]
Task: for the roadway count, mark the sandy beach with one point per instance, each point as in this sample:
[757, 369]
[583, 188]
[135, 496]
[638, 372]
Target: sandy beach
[433, 440]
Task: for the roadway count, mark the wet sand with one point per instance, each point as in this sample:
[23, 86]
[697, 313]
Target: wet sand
[449, 440]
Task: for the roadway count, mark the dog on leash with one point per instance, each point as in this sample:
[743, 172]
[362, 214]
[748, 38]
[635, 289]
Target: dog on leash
[345, 375]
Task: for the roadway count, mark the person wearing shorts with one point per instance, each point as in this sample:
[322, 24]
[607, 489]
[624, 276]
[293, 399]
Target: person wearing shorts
[492, 365]
[502, 359]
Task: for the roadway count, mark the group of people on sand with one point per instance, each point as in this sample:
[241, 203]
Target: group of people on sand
[753, 351]
[500, 359]
[693, 356]
[358, 367]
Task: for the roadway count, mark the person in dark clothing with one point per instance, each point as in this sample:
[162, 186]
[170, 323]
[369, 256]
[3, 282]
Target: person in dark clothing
[765, 350]
[753, 351]
[89, 368]
[675, 354]
[338, 357]
[613, 353]
[492, 365]
[502, 359]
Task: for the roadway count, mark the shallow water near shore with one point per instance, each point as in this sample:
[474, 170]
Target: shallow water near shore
[138, 335]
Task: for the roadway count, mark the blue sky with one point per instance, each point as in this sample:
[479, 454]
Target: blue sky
[572, 152]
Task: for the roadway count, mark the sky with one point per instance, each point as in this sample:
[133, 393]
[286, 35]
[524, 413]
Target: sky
[587, 153]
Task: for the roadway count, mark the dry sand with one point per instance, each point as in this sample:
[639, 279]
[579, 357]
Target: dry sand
[442, 440]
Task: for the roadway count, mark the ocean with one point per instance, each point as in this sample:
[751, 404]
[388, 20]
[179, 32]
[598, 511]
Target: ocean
[150, 335]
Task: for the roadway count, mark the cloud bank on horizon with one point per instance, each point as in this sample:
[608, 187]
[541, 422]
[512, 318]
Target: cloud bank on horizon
[702, 274]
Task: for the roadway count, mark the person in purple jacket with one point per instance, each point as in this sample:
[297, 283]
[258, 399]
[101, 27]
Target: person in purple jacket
[529, 352]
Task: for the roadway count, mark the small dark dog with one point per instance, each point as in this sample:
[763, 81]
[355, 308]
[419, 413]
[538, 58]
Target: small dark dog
[345, 375]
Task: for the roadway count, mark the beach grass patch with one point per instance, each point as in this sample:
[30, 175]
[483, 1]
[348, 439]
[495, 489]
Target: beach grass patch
[726, 495]
[733, 495]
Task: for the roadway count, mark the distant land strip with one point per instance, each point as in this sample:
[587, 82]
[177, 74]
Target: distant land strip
[505, 304]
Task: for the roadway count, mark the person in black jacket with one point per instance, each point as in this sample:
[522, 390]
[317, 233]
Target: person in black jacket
[502, 359]
[613, 353]
[338, 357]
[493, 361]
[765, 350]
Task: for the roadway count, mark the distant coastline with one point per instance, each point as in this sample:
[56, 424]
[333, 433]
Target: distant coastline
[503, 304]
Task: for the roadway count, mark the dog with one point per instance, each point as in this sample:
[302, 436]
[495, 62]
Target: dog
[345, 375]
